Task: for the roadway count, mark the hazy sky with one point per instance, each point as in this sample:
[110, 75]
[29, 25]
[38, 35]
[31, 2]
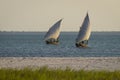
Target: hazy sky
[39, 15]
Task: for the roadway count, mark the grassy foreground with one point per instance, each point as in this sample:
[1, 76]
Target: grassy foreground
[57, 74]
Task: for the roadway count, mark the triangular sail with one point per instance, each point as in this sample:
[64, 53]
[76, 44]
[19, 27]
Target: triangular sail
[54, 31]
[85, 30]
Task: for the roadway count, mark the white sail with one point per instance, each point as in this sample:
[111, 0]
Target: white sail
[54, 31]
[85, 30]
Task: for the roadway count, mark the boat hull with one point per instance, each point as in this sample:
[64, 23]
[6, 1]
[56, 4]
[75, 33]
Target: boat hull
[54, 43]
[81, 45]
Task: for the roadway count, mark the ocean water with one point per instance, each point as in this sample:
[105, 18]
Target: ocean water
[31, 44]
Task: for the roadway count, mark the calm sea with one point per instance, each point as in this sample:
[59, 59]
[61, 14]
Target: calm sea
[31, 44]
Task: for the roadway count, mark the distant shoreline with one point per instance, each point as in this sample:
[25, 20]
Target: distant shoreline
[46, 31]
[77, 63]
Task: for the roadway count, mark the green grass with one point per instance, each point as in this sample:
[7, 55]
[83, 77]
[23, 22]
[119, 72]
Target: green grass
[57, 74]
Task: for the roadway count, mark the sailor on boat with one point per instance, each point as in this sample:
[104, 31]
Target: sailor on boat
[52, 41]
[82, 44]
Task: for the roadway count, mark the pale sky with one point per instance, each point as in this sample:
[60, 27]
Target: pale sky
[40, 15]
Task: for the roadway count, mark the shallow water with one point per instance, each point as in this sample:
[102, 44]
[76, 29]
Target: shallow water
[25, 44]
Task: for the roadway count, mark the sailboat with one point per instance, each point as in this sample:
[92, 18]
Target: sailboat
[84, 33]
[52, 36]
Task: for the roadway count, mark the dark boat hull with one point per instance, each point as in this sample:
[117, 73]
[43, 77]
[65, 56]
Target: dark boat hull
[81, 45]
[54, 43]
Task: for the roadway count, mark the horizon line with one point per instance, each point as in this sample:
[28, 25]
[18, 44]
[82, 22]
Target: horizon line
[61, 31]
